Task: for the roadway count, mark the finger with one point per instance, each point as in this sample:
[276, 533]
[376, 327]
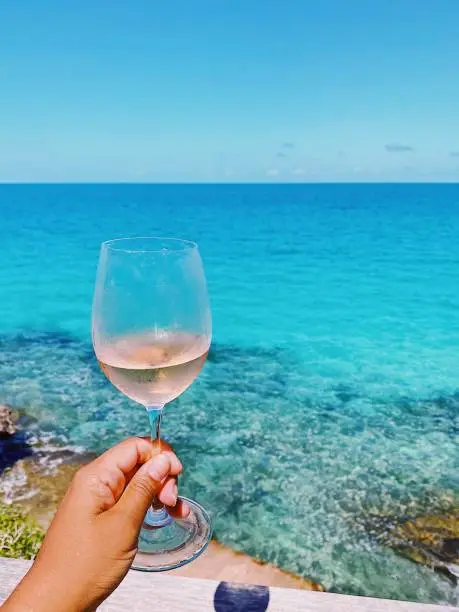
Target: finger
[165, 446]
[176, 464]
[144, 486]
[181, 510]
[117, 466]
[176, 467]
[126, 455]
[169, 493]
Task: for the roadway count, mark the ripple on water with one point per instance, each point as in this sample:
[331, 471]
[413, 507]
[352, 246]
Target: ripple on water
[292, 471]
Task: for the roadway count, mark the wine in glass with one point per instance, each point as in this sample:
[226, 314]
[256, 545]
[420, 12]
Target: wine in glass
[151, 330]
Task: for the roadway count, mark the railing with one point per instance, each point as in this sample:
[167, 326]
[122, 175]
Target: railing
[140, 592]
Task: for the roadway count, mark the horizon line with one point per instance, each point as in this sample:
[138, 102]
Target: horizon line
[226, 183]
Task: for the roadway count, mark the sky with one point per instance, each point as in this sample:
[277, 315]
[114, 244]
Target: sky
[229, 90]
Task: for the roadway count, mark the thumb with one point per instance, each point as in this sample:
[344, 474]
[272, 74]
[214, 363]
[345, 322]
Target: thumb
[144, 486]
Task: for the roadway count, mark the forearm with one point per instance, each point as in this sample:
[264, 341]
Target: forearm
[46, 591]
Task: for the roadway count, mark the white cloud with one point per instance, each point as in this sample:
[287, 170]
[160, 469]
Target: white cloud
[398, 147]
[298, 171]
[272, 172]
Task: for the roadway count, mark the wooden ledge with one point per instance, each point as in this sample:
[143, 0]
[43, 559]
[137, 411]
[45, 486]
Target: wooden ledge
[142, 591]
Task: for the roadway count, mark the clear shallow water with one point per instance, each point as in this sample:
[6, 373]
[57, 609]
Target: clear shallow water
[330, 397]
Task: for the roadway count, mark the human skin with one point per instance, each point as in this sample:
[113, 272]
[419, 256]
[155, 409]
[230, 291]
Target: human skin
[92, 541]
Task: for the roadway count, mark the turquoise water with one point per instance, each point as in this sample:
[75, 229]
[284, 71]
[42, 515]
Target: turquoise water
[331, 397]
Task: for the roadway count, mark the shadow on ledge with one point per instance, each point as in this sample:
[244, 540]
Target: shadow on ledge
[231, 597]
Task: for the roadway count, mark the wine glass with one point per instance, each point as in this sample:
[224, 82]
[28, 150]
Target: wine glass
[151, 330]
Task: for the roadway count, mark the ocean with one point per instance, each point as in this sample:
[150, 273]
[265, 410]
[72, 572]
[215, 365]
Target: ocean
[329, 407]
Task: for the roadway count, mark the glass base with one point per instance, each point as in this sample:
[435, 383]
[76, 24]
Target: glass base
[176, 544]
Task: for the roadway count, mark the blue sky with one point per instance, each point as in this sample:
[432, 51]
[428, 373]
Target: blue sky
[229, 90]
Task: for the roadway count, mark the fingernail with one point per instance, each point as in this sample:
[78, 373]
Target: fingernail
[185, 509]
[169, 495]
[174, 494]
[160, 467]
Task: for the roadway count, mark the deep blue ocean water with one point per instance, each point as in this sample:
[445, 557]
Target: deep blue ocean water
[330, 402]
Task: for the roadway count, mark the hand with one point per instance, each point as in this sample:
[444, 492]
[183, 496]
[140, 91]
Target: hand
[92, 540]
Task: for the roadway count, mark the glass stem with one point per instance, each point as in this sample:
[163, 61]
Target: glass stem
[157, 515]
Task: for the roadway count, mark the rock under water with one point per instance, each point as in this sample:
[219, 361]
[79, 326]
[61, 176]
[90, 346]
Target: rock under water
[8, 420]
[430, 540]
